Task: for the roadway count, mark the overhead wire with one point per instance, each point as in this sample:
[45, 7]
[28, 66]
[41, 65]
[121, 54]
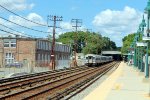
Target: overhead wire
[23, 17]
[9, 32]
[23, 26]
[15, 30]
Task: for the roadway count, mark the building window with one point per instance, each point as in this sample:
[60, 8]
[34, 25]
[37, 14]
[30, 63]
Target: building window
[9, 42]
[48, 56]
[45, 57]
[46, 45]
[40, 44]
[13, 45]
[9, 58]
[43, 46]
[6, 45]
[39, 58]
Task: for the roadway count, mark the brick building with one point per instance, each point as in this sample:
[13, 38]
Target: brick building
[35, 51]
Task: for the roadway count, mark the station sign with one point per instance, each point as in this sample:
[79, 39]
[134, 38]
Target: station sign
[145, 38]
[140, 44]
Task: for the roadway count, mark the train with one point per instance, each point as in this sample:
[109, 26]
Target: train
[95, 60]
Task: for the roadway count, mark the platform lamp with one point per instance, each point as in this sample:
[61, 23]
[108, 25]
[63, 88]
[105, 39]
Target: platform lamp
[140, 51]
[142, 26]
[138, 48]
[147, 11]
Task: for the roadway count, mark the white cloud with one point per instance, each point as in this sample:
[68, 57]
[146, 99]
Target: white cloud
[66, 25]
[58, 32]
[32, 16]
[117, 24]
[16, 4]
[36, 18]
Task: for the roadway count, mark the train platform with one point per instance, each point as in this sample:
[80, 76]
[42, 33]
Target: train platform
[125, 83]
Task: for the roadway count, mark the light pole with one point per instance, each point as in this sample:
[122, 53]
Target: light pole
[142, 26]
[138, 57]
[147, 11]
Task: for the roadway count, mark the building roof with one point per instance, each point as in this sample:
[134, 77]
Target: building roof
[111, 52]
[31, 39]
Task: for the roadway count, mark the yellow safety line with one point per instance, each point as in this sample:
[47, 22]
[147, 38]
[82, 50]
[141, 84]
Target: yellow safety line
[101, 92]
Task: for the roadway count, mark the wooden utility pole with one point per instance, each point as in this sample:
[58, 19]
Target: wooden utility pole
[76, 23]
[52, 53]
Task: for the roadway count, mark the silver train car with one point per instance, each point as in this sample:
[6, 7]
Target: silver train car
[95, 60]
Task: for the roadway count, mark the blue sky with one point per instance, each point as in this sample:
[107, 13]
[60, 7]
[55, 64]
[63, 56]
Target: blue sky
[112, 18]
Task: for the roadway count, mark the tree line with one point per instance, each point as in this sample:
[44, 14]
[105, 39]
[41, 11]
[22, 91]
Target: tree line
[128, 40]
[87, 42]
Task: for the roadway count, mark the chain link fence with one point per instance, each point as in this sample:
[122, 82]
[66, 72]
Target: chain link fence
[34, 67]
[30, 67]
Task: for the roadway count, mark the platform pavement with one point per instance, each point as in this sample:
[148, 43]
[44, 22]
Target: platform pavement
[126, 83]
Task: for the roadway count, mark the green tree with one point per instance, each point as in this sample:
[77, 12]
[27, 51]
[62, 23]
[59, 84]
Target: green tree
[127, 40]
[87, 42]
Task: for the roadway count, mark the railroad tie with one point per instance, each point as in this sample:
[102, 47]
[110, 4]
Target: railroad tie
[22, 86]
[7, 92]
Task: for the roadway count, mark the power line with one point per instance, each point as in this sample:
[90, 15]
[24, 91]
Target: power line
[23, 26]
[15, 30]
[22, 17]
[8, 32]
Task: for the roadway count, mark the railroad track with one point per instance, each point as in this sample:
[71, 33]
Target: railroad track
[6, 80]
[77, 88]
[49, 87]
[8, 87]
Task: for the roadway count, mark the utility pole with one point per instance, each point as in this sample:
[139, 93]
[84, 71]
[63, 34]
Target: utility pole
[76, 23]
[52, 53]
